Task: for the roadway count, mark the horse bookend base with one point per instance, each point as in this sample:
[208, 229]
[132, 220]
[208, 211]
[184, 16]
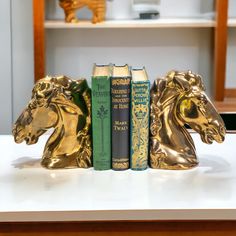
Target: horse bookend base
[98, 8]
[65, 106]
[176, 100]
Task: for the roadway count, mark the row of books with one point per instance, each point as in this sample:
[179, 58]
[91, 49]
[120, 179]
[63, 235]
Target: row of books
[120, 117]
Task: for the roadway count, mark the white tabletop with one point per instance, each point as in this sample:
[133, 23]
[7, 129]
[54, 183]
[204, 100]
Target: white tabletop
[30, 193]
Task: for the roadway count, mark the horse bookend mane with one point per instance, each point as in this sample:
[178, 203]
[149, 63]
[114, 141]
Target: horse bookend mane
[64, 105]
[176, 100]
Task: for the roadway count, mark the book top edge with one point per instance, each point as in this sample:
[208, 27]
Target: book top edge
[139, 75]
[121, 71]
[102, 71]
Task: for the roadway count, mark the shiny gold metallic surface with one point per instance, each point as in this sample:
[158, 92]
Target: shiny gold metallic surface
[63, 105]
[176, 100]
[98, 8]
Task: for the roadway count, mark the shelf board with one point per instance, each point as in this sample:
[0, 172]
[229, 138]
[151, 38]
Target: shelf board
[226, 106]
[232, 22]
[32, 193]
[158, 23]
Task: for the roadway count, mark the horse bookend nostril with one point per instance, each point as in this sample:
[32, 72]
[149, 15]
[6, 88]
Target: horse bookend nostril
[15, 130]
[222, 132]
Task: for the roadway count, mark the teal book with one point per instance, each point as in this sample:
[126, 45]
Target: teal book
[101, 117]
[140, 100]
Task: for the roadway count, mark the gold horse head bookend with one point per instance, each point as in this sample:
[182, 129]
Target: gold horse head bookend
[176, 100]
[65, 106]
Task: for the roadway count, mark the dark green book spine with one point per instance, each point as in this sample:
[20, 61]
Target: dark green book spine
[101, 122]
[120, 92]
[140, 93]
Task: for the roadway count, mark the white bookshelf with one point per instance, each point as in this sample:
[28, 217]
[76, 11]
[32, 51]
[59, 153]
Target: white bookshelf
[232, 22]
[158, 23]
[32, 193]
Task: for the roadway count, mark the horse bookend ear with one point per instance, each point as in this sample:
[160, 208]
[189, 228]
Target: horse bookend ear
[182, 101]
[53, 106]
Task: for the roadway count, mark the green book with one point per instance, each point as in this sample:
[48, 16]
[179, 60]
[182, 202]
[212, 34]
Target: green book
[101, 117]
[140, 99]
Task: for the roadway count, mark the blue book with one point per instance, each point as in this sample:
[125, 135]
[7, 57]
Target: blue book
[120, 113]
[140, 103]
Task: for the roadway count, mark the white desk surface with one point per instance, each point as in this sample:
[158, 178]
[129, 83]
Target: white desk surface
[30, 193]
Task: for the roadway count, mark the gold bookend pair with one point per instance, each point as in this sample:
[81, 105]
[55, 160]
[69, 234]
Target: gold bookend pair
[65, 105]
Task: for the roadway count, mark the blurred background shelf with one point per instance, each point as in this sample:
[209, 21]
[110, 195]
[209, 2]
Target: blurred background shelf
[232, 22]
[226, 106]
[185, 30]
[159, 23]
[185, 37]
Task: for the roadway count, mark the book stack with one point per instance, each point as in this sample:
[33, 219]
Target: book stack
[120, 117]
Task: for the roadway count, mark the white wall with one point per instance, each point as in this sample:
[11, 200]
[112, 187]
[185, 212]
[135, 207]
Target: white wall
[22, 54]
[73, 52]
[231, 59]
[232, 8]
[231, 52]
[16, 60]
[187, 8]
[5, 65]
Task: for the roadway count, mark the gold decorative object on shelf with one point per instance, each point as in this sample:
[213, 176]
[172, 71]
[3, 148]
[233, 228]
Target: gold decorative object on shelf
[65, 105]
[98, 8]
[176, 100]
